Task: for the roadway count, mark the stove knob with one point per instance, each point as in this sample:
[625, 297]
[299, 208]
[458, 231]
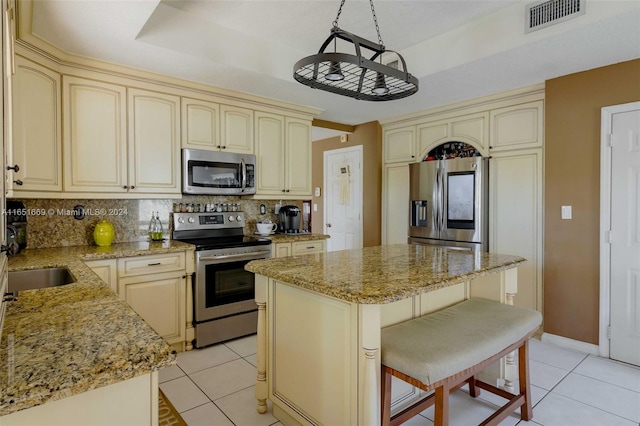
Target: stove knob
[191, 220]
[239, 218]
[231, 218]
[180, 220]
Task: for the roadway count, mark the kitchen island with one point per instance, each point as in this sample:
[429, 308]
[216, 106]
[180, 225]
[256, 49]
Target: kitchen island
[78, 353]
[320, 315]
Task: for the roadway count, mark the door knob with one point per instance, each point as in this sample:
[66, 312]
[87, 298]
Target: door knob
[328, 225]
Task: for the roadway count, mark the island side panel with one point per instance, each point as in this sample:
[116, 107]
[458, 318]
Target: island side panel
[312, 356]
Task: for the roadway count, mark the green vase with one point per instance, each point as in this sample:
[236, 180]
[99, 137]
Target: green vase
[103, 233]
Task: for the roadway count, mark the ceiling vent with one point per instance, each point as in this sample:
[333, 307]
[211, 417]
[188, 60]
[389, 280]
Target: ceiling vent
[543, 14]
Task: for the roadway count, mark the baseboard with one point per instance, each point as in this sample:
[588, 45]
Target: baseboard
[565, 342]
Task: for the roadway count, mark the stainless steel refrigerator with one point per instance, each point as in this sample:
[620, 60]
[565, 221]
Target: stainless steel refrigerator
[449, 203]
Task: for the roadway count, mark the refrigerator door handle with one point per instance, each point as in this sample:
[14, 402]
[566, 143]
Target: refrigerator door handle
[435, 206]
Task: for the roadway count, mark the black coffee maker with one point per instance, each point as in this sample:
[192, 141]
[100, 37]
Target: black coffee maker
[289, 220]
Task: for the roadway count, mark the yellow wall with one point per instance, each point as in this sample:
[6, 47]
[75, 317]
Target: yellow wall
[369, 135]
[572, 177]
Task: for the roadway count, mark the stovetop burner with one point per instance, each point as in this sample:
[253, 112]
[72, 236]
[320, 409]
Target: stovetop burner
[209, 231]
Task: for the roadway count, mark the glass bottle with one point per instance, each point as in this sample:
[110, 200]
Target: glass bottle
[155, 227]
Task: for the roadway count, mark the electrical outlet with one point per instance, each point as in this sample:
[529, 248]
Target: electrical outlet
[566, 212]
[317, 191]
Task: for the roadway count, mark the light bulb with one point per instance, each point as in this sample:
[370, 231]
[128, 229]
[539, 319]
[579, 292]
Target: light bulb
[335, 73]
[380, 87]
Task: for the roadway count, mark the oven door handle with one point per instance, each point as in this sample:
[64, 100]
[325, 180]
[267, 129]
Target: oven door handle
[255, 256]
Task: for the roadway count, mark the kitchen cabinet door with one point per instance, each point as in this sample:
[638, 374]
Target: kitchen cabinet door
[94, 136]
[200, 125]
[236, 129]
[281, 249]
[298, 157]
[107, 270]
[517, 127]
[154, 142]
[160, 300]
[270, 153]
[515, 203]
[35, 149]
[400, 145]
[395, 199]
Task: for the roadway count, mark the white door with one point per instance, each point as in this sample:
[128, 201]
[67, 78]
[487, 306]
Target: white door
[625, 233]
[343, 198]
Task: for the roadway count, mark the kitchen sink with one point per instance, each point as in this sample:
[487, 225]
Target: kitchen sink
[39, 278]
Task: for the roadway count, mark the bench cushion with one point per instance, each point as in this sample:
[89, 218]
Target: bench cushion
[435, 346]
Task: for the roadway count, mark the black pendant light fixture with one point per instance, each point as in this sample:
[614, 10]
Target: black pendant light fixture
[353, 74]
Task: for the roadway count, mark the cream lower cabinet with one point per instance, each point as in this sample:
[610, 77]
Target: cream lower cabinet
[515, 219]
[298, 248]
[283, 152]
[107, 270]
[395, 194]
[35, 149]
[130, 402]
[156, 288]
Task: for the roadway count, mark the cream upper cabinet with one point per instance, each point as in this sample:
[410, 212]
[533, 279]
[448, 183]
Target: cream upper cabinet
[35, 149]
[101, 156]
[236, 125]
[517, 127]
[200, 124]
[270, 153]
[154, 142]
[400, 144]
[283, 152]
[298, 157]
[94, 136]
[472, 129]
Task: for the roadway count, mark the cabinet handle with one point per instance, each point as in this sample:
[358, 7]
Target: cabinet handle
[18, 182]
[154, 264]
[184, 276]
[224, 147]
[125, 187]
[133, 187]
[311, 248]
[15, 168]
[219, 146]
[287, 190]
[284, 190]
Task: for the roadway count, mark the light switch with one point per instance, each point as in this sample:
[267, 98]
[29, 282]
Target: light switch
[317, 191]
[315, 207]
[566, 212]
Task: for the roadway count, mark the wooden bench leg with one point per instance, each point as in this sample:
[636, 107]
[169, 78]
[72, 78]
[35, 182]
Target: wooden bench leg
[474, 391]
[526, 411]
[442, 405]
[385, 402]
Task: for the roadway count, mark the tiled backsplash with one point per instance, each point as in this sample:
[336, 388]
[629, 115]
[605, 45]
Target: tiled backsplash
[56, 226]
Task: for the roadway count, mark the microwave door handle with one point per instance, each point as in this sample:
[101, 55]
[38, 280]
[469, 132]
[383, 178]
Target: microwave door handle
[244, 174]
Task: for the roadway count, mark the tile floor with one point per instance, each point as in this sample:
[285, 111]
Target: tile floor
[214, 386]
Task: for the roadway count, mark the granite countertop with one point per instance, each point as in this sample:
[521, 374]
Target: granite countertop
[61, 341]
[382, 274]
[292, 238]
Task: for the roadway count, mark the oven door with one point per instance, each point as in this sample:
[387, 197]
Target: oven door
[222, 286]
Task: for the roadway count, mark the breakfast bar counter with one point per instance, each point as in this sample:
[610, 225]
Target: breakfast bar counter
[320, 316]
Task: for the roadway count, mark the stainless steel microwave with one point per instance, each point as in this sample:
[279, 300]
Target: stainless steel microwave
[218, 173]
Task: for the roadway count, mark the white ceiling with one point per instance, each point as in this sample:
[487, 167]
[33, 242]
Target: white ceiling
[459, 49]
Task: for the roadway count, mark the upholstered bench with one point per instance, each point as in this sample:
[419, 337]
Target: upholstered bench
[446, 349]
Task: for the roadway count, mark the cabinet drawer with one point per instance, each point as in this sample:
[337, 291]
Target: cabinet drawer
[307, 247]
[140, 265]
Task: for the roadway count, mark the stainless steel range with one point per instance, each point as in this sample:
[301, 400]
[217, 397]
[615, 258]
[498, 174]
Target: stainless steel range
[223, 295]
